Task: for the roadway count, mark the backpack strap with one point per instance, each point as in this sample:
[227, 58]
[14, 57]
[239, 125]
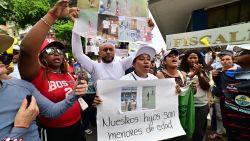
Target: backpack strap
[182, 78]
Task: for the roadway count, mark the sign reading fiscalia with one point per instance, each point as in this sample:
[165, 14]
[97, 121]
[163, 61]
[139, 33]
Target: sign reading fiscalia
[236, 34]
[138, 110]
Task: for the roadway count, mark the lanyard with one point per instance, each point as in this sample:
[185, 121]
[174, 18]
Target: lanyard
[133, 76]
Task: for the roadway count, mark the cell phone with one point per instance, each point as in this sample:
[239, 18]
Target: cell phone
[80, 76]
[28, 97]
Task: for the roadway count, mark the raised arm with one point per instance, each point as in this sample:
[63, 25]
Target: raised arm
[83, 59]
[127, 62]
[28, 61]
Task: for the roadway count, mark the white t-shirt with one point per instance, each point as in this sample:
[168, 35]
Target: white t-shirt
[105, 23]
[200, 98]
[15, 73]
[100, 71]
[131, 76]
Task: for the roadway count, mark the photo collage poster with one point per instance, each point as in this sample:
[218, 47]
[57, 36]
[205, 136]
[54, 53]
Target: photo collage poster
[113, 21]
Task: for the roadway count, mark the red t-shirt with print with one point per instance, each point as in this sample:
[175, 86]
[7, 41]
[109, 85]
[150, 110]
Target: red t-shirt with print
[56, 87]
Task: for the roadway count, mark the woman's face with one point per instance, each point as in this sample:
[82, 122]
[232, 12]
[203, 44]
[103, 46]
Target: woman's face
[172, 60]
[226, 61]
[192, 59]
[53, 56]
[3, 69]
[142, 64]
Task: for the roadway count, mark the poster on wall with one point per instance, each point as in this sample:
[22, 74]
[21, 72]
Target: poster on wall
[138, 110]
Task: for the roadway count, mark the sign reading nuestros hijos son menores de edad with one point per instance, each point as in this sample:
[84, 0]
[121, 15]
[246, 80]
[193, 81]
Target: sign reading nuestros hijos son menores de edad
[138, 110]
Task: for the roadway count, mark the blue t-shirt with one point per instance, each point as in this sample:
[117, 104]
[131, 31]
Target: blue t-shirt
[12, 93]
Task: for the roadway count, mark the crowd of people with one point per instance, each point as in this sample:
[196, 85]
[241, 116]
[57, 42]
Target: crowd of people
[54, 113]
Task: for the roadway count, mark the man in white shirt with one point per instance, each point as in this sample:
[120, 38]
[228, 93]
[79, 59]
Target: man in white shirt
[108, 69]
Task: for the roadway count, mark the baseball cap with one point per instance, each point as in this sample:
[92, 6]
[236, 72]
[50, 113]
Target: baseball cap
[5, 42]
[173, 50]
[51, 41]
[225, 52]
[145, 49]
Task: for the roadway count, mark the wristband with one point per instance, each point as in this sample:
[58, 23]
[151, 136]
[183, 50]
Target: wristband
[13, 139]
[16, 126]
[53, 15]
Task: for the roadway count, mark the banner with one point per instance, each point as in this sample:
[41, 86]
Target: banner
[236, 34]
[138, 110]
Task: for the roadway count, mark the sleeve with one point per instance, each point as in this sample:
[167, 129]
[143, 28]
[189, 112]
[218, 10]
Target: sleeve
[16, 134]
[50, 109]
[83, 59]
[127, 62]
[217, 90]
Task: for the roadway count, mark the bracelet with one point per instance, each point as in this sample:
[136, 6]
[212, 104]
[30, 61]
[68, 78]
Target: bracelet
[52, 15]
[20, 126]
[13, 139]
[44, 21]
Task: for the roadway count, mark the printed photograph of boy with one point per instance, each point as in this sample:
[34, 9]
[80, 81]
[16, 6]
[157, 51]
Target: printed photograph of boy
[90, 5]
[132, 8]
[148, 97]
[110, 7]
[86, 24]
[128, 99]
[139, 8]
[121, 49]
[107, 26]
[132, 29]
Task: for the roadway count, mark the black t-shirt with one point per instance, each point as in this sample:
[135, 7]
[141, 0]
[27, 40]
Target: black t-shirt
[235, 103]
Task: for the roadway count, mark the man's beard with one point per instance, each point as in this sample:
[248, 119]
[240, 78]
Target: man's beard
[107, 61]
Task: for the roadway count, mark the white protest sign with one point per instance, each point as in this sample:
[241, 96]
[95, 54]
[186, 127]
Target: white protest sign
[138, 110]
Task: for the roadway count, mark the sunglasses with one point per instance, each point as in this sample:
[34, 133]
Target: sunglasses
[53, 50]
[6, 58]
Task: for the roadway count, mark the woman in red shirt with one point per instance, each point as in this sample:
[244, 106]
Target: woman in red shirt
[42, 62]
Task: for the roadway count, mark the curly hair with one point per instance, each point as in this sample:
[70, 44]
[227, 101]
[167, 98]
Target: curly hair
[184, 66]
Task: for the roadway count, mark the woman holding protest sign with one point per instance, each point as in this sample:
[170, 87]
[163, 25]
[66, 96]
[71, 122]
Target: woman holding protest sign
[142, 63]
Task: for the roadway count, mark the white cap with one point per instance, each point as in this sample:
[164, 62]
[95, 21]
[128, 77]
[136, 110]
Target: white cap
[145, 49]
[16, 47]
[173, 50]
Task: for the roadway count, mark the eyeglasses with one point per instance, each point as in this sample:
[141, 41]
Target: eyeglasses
[6, 58]
[53, 50]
